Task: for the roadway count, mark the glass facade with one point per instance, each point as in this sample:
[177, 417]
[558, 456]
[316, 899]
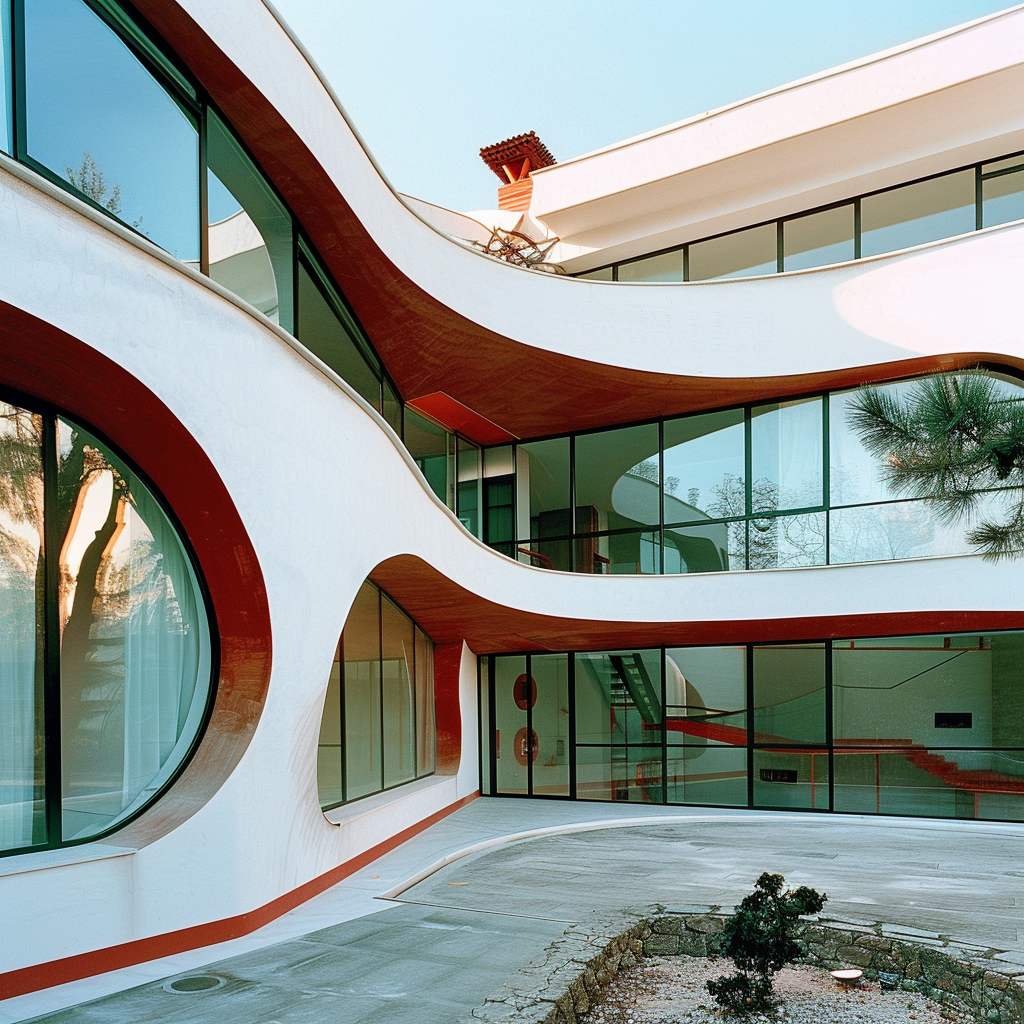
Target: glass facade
[106, 656]
[106, 113]
[910, 725]
[776, 485]
[250, 234]
[377, 729]
[942, 206]
[100, 120]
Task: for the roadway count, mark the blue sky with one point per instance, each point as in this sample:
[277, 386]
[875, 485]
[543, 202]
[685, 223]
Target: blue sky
[428, 82]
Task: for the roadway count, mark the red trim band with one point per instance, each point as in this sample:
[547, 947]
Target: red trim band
[127, 954]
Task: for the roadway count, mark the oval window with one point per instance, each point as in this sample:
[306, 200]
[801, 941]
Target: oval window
[105, 643]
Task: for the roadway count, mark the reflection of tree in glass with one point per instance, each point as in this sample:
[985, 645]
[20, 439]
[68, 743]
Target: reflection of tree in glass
[950, 439]
[22, 571]
[772, 541]
[88, 179]
[21, 490]
[648, 470]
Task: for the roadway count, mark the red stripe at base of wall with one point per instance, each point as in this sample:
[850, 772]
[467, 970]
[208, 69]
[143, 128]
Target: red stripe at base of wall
[127, 954]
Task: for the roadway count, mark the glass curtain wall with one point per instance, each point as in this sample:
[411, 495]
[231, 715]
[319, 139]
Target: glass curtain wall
[104, 112]
[106, 658]
[377, 729]
[777, 485]
[942, 206]
[912, 725]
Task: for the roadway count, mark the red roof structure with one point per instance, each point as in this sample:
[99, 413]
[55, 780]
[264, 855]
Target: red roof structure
[513, 159]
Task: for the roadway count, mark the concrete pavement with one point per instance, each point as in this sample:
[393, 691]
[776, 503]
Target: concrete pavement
[445, 938]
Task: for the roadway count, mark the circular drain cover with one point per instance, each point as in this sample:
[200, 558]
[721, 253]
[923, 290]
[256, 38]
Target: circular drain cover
[195, 983]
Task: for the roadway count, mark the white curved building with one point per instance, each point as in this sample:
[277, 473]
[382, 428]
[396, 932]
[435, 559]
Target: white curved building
[316, 522]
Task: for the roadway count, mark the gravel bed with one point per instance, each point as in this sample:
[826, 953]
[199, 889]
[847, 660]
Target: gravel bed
[667, 990]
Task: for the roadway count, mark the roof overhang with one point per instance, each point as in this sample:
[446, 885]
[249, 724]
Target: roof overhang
[940, 102]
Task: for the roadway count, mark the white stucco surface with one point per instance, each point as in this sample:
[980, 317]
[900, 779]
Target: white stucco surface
[346, 495]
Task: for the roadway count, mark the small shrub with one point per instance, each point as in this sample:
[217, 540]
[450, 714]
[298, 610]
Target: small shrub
[758, 939]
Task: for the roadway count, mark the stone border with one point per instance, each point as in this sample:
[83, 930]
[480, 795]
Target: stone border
[570, 975]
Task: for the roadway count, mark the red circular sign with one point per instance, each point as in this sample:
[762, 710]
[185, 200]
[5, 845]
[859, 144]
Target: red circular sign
[521, 746]
[519, 692]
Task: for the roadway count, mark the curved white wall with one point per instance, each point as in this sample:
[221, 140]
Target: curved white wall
[784, 324]
[326, 491]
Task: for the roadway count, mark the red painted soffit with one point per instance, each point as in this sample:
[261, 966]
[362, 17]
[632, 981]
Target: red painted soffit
[426, 345]
[451, 413]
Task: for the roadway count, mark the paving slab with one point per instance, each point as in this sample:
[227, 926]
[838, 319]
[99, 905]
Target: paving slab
[441, 941]
[406, 965]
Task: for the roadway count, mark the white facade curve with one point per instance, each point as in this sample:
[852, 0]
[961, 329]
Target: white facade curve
[328, 494]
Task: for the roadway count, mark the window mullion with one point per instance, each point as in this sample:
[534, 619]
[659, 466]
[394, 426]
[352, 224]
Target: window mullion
[51, 635]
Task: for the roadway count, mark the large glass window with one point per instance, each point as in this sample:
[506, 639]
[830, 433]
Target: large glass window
[618, 478]
[322, 326]
[433, 448]
[668, 266]
[98, 118]
[941, 207]
[819, 239]
[704, 467]
[544, 503]
[786, 455]
[133, 677]
[740, 254]
[1003, 193]
[924, 212]
[251, 236]
[113, 119]
[923, 725]
[713, 519]
[22, 606]
[377, 729]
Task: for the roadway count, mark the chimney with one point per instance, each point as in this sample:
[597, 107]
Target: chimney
[512, 161]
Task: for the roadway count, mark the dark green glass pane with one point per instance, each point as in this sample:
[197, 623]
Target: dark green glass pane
[792, 779]
[786, 455]
[789, 693]
[707, 775]
[666, 267]
[398, 679]
[6, 141]
[706, 696]
[704, 467]
[617, 479]
[363, 738]
[618, 698]
[513, 744]
[740, 254]
[818, 239]
[1002, 199]
[323, 333]
[630, 774]
[251, 236]
[329, 749]
[550, 674]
